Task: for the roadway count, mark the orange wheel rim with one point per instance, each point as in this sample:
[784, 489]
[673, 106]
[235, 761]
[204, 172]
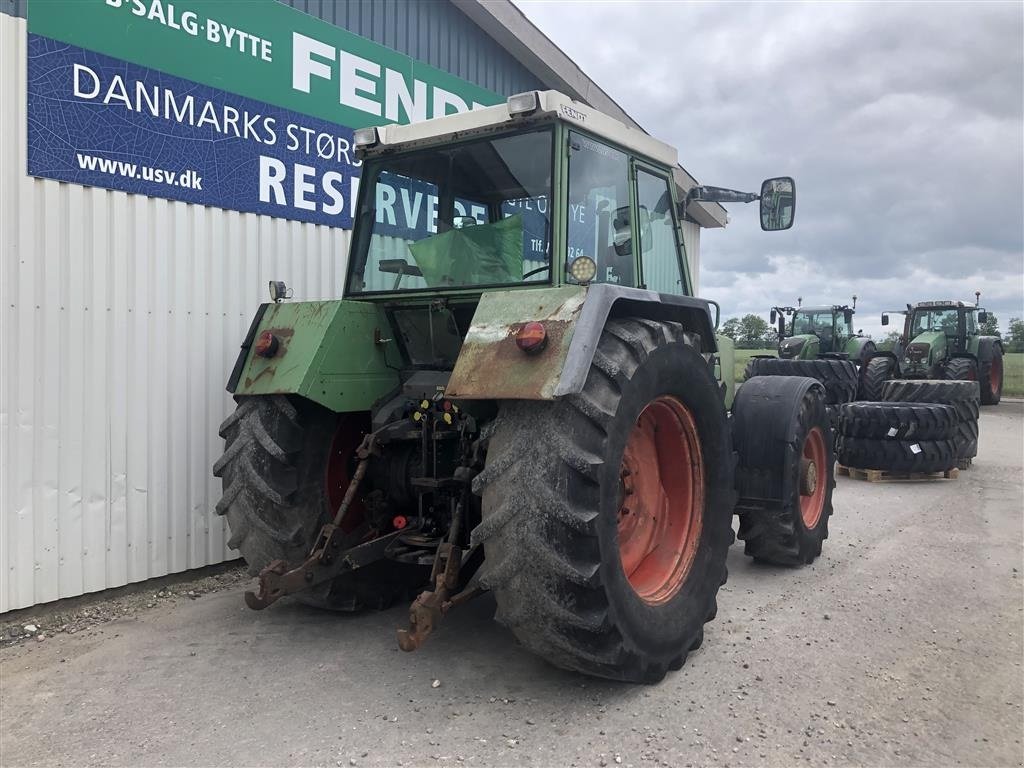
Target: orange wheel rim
[813, 480]
[662, 490]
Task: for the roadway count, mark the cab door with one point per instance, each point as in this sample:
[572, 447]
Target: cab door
[662, 254]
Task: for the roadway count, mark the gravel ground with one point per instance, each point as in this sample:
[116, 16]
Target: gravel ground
[901, 646]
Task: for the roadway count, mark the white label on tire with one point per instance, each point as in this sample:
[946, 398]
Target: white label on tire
[915, 448]
[893, 431]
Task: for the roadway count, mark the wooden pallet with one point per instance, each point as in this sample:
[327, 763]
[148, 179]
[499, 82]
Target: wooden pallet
[881, 475]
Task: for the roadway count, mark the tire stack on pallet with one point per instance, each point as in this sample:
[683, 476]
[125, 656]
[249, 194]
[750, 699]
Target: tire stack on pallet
[839, 377]
[919, 428]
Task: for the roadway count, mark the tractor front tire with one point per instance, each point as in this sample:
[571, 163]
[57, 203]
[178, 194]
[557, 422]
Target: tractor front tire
[960, 369]
[275, 498]
[606, 516]
[873, 375]
[785, 474]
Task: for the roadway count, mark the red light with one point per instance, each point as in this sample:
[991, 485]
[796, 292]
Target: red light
[399, 522]
[267, 344]
[531, 338]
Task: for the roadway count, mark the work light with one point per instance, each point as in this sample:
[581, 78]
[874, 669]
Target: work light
[522, 103]
[365, 137]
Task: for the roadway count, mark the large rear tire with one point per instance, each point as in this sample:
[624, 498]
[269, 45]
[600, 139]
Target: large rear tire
[785, 474]
[276, 496]
[990, 376]
[607, 515]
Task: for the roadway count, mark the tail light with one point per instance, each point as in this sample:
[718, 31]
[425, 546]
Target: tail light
[267, 344]
[532, 338]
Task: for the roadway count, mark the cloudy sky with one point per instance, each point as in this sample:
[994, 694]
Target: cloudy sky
[903, 124]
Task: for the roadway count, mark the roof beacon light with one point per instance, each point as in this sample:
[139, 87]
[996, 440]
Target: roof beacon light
[522, 103]
[365, 137]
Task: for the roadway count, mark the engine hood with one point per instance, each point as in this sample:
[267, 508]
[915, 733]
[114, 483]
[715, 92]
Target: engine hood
[793, 345]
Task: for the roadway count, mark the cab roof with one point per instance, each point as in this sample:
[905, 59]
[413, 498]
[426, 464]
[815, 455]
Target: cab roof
[551, 106]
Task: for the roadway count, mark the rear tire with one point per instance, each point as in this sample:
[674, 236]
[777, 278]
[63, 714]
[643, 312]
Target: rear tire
[777, 425]
[839, 377]
[273, 473]
[555, 500]
[990, 377]
[873, 375]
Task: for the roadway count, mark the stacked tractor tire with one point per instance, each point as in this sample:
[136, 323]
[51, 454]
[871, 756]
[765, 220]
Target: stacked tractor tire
[919, 426]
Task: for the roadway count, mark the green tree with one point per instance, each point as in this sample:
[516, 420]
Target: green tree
[1015, 335]
[731, 328]
[990, 327]
[752, 332]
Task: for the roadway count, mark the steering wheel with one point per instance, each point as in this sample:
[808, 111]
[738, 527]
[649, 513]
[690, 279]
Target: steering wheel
[538, 270]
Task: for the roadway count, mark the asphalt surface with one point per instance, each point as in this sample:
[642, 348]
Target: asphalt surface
[902, 645]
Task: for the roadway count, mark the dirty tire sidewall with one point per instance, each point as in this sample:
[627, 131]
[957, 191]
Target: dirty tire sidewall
[992, 366]
[274, 497]
[551, 500]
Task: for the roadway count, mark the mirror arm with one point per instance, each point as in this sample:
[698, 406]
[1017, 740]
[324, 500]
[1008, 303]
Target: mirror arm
[719, 195]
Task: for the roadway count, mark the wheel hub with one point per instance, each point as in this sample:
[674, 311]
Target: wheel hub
[812, 492]
[661, 493]
[808, 477]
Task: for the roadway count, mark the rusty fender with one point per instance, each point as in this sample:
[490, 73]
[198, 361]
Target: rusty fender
[491, 365]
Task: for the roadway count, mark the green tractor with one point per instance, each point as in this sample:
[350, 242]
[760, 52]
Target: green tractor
[815, 332]
[941, 340]
[520, 395]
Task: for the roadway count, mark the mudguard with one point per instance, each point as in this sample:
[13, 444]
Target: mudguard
[855, 347]
[491, 365]
[328, 351]
[987, 346]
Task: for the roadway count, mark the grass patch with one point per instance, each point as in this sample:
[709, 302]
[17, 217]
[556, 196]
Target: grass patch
[1013, 369]
[1013, 374]
[742, 355]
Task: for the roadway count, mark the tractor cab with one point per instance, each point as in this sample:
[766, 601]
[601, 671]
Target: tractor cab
[820, 331]
[934, 332]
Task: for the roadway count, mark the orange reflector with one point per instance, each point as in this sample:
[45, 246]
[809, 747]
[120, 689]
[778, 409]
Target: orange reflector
[532, 337]
[399, 522]
[267, 344]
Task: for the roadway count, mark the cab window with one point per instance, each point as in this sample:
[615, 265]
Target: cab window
[657, 230]
[599, 224]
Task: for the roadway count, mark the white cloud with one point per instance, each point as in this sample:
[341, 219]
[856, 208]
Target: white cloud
[903, 124]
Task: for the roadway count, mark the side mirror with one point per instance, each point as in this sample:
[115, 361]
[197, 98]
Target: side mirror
[848, 315]
[982, 316]
[461, 222]
[774, 315]
[622, 239]
[718, 311]
[885, 319]
[860, 331]
[778, 203]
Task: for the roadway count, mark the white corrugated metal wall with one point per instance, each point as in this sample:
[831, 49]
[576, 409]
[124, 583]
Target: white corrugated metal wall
[121, 319]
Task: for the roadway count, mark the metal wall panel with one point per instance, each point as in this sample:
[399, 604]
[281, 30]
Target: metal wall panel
[121, 318]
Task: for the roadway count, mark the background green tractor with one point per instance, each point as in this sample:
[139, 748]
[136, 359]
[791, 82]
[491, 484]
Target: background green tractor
[941, 340]
[520, 395]
[826, 331]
